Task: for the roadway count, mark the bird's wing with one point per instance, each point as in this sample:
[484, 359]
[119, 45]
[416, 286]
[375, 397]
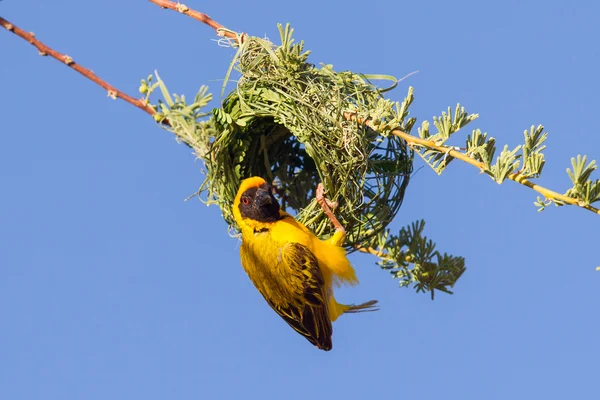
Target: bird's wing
[307, 313]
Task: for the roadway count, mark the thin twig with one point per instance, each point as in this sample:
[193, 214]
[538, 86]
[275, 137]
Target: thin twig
[44, 50]
[413, 140]
[182, 8]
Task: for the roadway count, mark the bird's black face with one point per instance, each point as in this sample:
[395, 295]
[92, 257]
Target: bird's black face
[259, 204]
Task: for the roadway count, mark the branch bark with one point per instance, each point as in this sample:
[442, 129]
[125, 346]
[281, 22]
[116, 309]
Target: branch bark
[44, 50]
[205, 19]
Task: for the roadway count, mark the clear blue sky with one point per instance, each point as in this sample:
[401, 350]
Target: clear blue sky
[113, 287]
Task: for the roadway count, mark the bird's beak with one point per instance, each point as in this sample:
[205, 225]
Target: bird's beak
[262, 198]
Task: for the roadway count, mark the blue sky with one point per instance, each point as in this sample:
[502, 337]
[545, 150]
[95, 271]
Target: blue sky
[113, 287]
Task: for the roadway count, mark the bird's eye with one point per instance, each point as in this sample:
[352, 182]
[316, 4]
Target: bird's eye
[245, 200]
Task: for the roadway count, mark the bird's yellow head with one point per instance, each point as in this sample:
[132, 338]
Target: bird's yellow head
[254, 205]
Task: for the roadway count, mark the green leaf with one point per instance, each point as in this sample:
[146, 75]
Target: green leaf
[481, 148]
[533, 158]
[371, 77]
[506, 163]
[164, 90]
[581, 170]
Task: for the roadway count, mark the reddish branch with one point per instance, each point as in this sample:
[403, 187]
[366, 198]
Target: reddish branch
[113, 92]
[47, 51]
[176, 6]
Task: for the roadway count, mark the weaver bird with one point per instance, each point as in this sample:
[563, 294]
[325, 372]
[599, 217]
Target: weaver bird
[293, 269]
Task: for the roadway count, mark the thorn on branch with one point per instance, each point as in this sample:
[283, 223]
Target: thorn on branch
[182, 8]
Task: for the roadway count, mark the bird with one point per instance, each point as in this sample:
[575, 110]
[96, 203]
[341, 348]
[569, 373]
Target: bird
[293, 269]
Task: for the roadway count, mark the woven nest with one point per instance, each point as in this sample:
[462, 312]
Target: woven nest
[285, 122]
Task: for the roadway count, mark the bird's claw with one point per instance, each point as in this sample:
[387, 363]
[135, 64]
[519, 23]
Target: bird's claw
[327, 206]
[320, 195]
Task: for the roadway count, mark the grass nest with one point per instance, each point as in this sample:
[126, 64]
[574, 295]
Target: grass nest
[286, 121]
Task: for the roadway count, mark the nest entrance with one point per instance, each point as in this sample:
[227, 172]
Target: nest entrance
[275, 154]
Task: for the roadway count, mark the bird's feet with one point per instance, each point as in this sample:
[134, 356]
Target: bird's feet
[327, 206]
[320, 195]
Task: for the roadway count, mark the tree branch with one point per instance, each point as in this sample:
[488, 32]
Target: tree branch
[416, 141]
[44, 50]
[410, 139]
[183, 9]
[114, 93]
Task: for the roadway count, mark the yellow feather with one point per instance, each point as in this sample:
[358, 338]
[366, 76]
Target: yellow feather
[294, 270]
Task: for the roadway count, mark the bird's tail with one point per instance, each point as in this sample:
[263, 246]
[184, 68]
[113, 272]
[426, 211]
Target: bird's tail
[368, 306]
[336, 309]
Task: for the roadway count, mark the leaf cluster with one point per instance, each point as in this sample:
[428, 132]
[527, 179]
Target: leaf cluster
[412, 258]
[521, 163]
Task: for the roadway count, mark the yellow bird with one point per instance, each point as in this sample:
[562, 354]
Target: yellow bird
[293, 269]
